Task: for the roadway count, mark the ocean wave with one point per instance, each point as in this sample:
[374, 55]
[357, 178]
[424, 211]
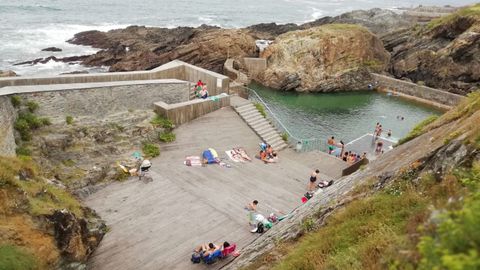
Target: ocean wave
[12, 8]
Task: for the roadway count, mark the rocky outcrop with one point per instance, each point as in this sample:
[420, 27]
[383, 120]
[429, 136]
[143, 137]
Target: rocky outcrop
[77, 237]
[378, 21]
[444, 54]
[7, 73]
[143, 48]
[52, 49]
[7, 118]
[328, 58]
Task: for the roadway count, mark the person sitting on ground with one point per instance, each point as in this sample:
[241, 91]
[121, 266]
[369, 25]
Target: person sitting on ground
[345, 156]
[269, 151]
[252, 207]
[206, 249]
[263, 155]
[273, 158]
[364, 155]
[204, 92]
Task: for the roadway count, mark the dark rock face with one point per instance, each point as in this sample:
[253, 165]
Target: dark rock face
[144, 48]
[446, 56]
[53, 58]
[52, 49]
[271, 30]
[76, 237]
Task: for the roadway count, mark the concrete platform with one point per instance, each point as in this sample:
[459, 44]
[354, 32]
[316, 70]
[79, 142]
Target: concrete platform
[367, 143]
[156, 225]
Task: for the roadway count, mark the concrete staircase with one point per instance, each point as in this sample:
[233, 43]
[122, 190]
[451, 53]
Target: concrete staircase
[260, 125]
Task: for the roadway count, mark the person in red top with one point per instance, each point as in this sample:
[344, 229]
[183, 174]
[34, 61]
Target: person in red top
[200, 83]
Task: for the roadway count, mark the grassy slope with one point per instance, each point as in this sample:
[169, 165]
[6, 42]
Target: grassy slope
[471, 11]
[21, 203]
[393, 229]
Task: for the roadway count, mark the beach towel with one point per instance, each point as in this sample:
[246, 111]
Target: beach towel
[234, 156]
[193, 161]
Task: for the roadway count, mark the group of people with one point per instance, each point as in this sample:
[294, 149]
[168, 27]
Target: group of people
[267, 154]
[200, 89]
[338, 150]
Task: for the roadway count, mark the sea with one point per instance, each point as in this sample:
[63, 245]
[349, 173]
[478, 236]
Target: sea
[28, 26]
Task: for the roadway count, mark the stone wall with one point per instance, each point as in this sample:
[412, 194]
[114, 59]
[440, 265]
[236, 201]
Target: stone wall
[217, 83]
[186, 111]
[101, 99]
[7, 117]
[422, 92]
[255, 65]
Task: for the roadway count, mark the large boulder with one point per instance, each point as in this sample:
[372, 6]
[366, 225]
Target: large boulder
[328, 58]
[7, 73]
[443, 54]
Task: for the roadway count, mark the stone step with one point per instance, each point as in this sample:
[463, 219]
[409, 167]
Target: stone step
[265, 129]
[258, 125]
[279, 146]
[245, 108]
[260, 120]
[250, 113]
[253, 118]
[275, 141]
[267, 133]
[271, 137]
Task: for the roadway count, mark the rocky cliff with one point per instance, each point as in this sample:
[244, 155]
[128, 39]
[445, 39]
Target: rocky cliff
[327, 58]
[143, 48]
[443, 54]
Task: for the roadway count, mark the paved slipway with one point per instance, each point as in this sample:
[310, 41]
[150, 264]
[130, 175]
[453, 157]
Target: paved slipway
[156, 225]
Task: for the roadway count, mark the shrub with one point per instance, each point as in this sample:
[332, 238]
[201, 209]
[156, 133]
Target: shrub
[21, 125]
[45, 121]
[167, 136]
[261, 109]
[151, 150]
[285, 137]
[32, 106]
[23, 151]
[418, 129]
[16, 101]
[159, 121]
[455, 245]
[12, 257]
[69, 120]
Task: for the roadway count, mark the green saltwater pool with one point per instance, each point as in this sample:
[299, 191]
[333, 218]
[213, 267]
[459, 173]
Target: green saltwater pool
[346, 115]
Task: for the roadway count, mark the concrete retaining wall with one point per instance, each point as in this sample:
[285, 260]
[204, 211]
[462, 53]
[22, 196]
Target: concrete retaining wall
[255, 65]
[431, 95]
[217, 83]
[7, 117]
[100, 99]
[186, 111]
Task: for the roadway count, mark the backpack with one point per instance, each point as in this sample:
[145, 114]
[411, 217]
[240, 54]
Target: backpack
[308, 195]
[196, 258]
[260, 228]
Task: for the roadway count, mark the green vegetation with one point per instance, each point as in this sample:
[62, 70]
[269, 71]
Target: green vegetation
[23, 151]
[285, 137]
[69, 120]
[167, 136]
[16, 101]
[14, 258]
[150, 150]
[260, 109]
[32, 106]
[159, 121]
[27, 122]
[418, 130]
[472, 11]
[37, 197]
[117, 126]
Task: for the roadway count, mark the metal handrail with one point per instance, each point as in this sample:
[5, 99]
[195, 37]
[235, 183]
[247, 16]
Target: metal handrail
[303, 142]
